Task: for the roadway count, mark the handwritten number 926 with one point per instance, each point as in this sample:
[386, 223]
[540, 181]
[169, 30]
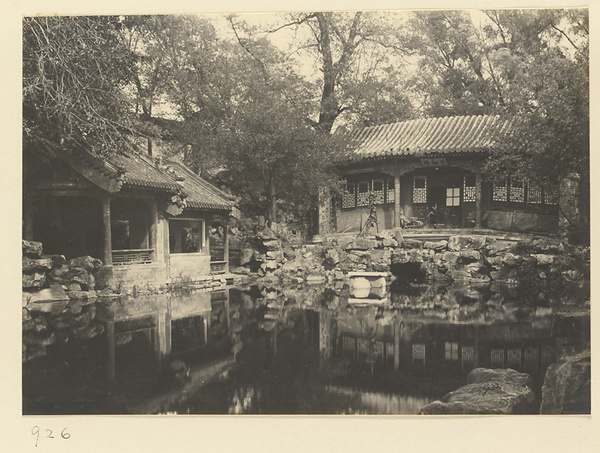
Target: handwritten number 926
[35, 431]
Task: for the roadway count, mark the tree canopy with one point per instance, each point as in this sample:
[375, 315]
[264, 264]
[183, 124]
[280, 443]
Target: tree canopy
[258, 105]
[75, 70]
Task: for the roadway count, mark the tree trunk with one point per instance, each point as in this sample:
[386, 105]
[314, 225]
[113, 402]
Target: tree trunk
[271, 206]
[328, 110]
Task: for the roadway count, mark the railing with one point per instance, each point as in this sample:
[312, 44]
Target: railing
[218, 267]
[134, 256]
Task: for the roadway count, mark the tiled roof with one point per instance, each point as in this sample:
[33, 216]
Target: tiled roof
[132, 170]
[140, 171]
[200, 193]
[429, 136]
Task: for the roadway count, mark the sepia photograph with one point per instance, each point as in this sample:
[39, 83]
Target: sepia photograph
[378, 212]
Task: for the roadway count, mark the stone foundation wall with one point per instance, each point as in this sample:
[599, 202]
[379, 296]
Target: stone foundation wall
[542, 263]
[353, 219]
[191, 265]
[521, 221]
[475, 258]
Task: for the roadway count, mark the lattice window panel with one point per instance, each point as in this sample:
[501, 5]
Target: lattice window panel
[497, 358]
[420, 189]
[534, 194]
[500, 191]
[468, 354]
[129, 257]
[451, 351]
[468, 190]
[349, 197]
[531, 360]
[378, 191]
[551, 196]
[391, 193]
[453, 196]
[362, 346]
[363, 192]
[349, 346]
[517, 192]
[378, 351]
[548, 356]
[389, 353]
[513, 359]
[418, 352]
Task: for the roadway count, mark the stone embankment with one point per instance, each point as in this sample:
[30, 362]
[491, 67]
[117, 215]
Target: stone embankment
[70, 287]
[471, 258]
[53, 278]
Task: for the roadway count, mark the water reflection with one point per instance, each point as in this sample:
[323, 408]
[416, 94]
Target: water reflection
[286, 349]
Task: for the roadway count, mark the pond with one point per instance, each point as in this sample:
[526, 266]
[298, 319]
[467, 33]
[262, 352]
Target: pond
[286, 349]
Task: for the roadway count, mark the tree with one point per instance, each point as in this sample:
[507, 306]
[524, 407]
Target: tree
[272, 158]
[268, 153]
[528, 65]
[74, 72]
[355, 55]
[456, 73]
[550, 97]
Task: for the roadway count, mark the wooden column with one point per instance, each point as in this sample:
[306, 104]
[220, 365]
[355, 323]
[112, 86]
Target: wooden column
[324, 212]
[476, 348]
[226, 245]
[397, 327]
[397, 208]
[154, 244]
[163, 334]
[478, 197]
[27, 220]
[107, 235]
[110, 349]
[206, 326]
[227, 312]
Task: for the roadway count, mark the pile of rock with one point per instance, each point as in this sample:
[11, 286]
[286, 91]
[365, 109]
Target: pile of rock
[567, 386]
[566, 390]
[479, 259]
[488, 391]
[462, 258]
[265, 254]
[47, 324]
[48, 278]
[58, 299]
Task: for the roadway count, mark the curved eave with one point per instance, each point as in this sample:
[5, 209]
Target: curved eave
[150, 185]
[197, 206]
[418, 154]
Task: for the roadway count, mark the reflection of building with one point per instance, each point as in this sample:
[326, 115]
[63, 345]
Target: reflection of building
[430, 169]
[146, 220]
[410, 343]
[161, 326]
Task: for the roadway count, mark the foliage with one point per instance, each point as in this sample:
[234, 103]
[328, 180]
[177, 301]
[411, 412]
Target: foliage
[550, 98]
[359, 78]
[244, 107]
[163, 47]
[74, 72]
[528, 65]
[271, 157]
[452, 62]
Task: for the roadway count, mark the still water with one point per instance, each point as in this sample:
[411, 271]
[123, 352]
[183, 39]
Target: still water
[285, 350]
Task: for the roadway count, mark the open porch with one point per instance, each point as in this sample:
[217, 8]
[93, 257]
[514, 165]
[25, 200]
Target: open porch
[140, 221]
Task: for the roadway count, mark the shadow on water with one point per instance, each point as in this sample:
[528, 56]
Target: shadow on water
[286, 349]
